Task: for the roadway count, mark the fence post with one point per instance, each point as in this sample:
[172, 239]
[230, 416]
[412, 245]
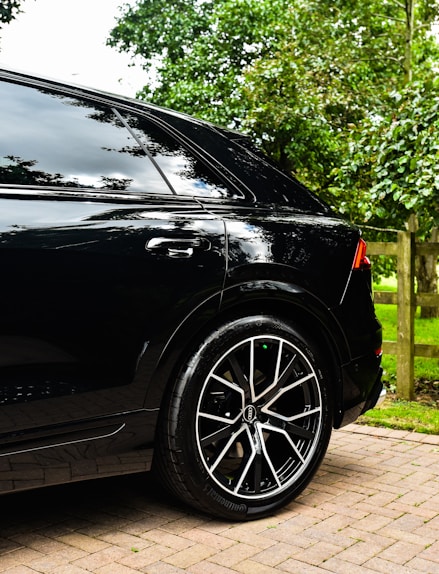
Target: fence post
[405, 370]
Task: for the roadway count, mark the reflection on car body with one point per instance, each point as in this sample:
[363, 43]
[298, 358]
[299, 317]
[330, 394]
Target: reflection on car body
[171, 300]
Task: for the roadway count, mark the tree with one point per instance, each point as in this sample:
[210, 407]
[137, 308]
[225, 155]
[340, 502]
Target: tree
[8, 10]
[197, 50]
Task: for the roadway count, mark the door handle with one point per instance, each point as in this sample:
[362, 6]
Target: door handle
[179, 247]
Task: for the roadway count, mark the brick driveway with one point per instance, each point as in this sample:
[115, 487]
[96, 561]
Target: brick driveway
[373, 507]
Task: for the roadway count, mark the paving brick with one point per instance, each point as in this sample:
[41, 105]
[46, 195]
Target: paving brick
[294, 566]
[318, 553]
[97, 560]
[40, 543]
[338, 566]
[401, 552]
[430, 552]
[125, 540]
[359, 553]
[189, 556]
[21, 570]
[22, 556]
[201, 536]
[184, 524]
[164, 538]
[386, 567]
[253, 567]
[115, 569]
[275, 554]
[258, 540]
[373, 522]
[69, 569]
[144, 558]
[205, 567]
[86, 543]
[424, 566]
[163, 568]
[232, 556]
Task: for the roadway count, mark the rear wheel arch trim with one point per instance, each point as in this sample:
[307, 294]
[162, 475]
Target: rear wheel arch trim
[273, 297]
[288, 296]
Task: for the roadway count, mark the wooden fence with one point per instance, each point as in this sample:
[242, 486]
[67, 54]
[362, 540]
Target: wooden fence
[405, 349]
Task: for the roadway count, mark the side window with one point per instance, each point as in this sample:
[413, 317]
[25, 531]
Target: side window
[186, 173]
[49, 139]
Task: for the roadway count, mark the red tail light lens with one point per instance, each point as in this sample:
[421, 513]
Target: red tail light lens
[361, 261]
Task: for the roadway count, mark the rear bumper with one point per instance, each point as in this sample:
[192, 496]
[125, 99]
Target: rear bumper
[359, 395]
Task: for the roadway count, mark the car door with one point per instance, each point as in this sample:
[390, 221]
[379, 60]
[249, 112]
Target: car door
[101, 259]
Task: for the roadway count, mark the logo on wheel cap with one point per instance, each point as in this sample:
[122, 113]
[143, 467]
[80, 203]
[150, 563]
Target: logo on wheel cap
[250, 414]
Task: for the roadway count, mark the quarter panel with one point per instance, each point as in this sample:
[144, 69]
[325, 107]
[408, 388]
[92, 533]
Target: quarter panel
[314, 252]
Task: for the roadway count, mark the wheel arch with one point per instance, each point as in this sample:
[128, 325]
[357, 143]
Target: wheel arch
[288, 302]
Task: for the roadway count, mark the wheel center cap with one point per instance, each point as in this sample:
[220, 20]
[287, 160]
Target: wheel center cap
[250, 414]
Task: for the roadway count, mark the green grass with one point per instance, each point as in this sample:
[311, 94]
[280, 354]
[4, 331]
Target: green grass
[404, 415]
[421, 415]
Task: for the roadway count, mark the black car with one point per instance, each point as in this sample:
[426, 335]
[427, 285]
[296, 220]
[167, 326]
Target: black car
[164, 285]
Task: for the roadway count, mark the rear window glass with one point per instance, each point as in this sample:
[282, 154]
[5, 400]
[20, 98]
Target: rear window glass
[186, 174]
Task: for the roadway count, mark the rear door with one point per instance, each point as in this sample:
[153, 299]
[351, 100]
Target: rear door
[101, 257]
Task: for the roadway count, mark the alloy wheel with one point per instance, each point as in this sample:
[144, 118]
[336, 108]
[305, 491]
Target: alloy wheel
[259, 417]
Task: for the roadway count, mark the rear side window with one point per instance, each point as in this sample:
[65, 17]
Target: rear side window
[50, 139]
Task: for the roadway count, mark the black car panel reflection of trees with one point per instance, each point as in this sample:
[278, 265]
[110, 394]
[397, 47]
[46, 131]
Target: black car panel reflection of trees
[169, 300]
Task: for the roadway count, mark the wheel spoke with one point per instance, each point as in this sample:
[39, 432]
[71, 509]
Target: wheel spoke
[276, 422]
[266, 408]
[218, 435]
[266, 455]
[288, 438]
[232, 440]
[216, 418]
[252, 370]
[229, 384]
[303, 415]
[279, 382]
[295, 430]
[253, 455]
[238, 374]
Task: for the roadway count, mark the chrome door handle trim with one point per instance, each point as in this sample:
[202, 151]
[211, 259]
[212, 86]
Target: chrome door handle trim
[178, 244]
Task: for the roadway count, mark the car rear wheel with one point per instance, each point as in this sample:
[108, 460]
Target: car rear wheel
[248, 420]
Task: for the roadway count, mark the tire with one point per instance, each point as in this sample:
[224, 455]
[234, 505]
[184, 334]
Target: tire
[247, 422]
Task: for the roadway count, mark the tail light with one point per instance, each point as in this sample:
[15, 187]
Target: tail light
[361, 261]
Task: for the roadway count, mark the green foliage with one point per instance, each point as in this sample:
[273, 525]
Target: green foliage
[199, 50]
[392, 161]
[8, 10]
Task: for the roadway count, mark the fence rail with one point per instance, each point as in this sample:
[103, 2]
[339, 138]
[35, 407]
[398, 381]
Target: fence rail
[405, 348]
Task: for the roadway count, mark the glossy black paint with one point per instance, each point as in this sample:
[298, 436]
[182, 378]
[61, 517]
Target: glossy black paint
[117, 254]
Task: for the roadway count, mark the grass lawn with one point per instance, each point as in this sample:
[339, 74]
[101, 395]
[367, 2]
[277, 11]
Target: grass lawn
[421, 415]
